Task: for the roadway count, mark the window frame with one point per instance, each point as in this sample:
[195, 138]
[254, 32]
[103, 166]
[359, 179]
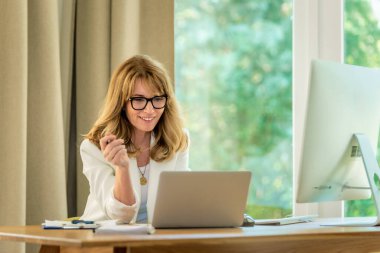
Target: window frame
[318, 33]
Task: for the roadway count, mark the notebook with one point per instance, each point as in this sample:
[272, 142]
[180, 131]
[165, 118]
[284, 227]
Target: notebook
[201, 199]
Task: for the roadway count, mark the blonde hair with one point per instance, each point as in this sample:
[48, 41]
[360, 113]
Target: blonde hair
[169, 134]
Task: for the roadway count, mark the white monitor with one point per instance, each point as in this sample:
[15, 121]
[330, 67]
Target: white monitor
[341, 131]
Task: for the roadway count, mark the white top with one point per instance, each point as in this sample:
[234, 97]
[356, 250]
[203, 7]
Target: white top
[142, 216]
[101, 203]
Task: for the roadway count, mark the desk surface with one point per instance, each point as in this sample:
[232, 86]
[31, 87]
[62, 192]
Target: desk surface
[296, 237]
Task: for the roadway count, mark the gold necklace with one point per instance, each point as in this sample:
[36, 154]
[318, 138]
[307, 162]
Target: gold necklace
[143, 180]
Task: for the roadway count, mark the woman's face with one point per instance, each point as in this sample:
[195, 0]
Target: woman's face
[146, 119]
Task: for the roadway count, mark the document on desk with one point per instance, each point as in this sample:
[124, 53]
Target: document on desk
[286, 221]
[114, 228]
[60, 224]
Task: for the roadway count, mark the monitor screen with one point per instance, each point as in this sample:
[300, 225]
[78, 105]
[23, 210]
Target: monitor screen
[343, 100]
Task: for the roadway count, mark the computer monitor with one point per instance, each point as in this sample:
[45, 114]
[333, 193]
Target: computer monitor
[341, 133]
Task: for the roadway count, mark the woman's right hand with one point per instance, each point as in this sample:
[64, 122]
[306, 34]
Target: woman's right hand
[114, 151]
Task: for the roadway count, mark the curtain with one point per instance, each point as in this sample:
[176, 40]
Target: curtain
[56, 58]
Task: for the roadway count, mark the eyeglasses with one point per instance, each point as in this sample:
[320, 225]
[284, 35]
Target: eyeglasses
[139, 103]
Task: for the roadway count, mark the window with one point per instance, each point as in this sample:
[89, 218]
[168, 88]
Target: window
[233, 75]
[362, 47]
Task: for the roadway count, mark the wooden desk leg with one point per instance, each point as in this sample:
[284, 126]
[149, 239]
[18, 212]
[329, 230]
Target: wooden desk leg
[120, 250]
[57, 249]
[49, 249]
[87, 250]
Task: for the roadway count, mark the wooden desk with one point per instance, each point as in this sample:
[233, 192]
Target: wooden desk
[305, 237]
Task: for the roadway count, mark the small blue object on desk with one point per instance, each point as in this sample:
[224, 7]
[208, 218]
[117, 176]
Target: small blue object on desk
[82, 222]
[248, 221]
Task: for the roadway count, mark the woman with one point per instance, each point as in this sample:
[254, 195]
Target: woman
[139, 134]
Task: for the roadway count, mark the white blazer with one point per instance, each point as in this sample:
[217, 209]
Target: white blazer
[101, 203]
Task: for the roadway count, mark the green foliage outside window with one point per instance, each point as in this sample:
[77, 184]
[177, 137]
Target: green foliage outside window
[362, 47]
[233, 77]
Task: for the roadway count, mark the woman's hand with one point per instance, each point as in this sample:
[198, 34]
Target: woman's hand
[114, 151]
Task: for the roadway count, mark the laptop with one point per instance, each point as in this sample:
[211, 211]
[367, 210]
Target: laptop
[199, 199]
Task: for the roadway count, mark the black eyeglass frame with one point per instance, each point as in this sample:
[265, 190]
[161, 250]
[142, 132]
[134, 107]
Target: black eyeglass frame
[148, 100]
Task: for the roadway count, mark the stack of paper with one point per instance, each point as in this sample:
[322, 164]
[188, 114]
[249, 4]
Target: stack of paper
[59, 224]
[114, 228]
[100, 227]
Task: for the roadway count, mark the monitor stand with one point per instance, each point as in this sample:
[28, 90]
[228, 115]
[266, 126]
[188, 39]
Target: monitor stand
[373, 174]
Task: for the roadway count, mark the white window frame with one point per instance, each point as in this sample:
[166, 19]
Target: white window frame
[317, 34]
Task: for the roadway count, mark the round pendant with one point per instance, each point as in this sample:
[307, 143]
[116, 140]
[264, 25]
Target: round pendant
[143, 180]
